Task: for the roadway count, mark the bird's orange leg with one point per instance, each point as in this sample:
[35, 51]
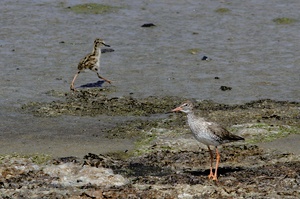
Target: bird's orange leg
[211, 174]
[217, 164]
[72, 84]
[108, 81]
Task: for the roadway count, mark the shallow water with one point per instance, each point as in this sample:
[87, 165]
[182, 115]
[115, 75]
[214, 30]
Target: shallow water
[250, 53]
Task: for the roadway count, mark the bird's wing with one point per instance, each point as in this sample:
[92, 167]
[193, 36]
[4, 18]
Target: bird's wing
[223, 133]
[92, 60]
[88, 62]
[217, 129]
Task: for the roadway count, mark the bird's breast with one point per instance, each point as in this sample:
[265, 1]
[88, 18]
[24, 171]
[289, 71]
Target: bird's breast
[202, 133]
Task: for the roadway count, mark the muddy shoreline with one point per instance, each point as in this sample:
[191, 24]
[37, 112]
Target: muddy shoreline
[116, 141]
[165, 161]
[154, 112]
[247, 172]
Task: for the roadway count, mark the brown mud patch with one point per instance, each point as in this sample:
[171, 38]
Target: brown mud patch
[246, 171]
[166, 162]
[92, 102]
[150, 112]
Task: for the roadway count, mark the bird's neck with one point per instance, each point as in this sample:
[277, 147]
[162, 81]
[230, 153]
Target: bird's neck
[192, 117]
[96, 51]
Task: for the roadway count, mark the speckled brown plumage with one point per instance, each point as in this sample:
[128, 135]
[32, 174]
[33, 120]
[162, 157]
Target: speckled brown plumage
[208, 133]
[91, 61]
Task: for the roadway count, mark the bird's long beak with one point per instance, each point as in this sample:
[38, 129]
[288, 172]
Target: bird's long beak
[174, 110]
[106, 45]
[177, 109]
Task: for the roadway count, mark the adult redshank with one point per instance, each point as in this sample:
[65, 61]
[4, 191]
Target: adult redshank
[208, 133]
[91, 61]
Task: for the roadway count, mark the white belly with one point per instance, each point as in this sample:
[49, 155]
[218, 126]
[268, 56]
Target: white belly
[204, 136]
[206, 139]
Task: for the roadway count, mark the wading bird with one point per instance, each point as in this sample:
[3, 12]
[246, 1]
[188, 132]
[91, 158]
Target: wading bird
[91, 61]
[208, 133]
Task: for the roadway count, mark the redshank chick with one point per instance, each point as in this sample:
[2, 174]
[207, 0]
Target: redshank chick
[91, 61]
[208, 133]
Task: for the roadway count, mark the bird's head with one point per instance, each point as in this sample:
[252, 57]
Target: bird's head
[100, 42]
[185, 107]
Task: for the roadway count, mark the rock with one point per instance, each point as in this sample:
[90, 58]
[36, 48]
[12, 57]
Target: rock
[147, 25]
[225, 88]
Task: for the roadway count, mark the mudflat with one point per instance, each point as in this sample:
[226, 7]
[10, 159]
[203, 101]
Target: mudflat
[117, 140]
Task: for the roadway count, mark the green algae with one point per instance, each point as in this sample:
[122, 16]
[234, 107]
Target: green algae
[263, 132]
[193, 51]
[284, 20]
[222, 10]
[92, 8]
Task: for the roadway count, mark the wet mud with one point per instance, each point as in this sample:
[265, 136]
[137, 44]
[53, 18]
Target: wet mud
[246, 171]
[94, 102]
[249, 55]
[166, 161]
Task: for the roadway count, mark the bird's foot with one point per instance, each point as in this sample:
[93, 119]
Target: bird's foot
[108, 81]
[215, 178]
[72, 88]
[211, 175]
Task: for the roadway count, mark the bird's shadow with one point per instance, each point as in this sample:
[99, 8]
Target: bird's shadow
[221, 170]
[92, 85]
[107, 50]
